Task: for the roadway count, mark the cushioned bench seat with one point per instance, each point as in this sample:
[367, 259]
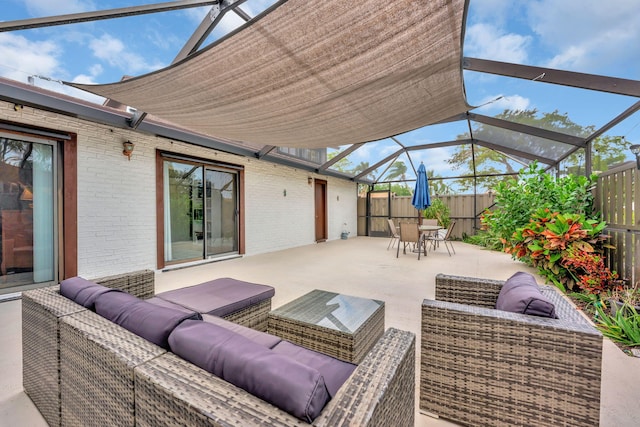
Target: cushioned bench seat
[235, 300]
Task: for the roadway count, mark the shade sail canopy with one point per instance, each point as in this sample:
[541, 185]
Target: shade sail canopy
[315, 74]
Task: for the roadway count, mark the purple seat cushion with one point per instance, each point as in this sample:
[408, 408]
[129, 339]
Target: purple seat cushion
[82, 291]
[164, 303]
[284, 382]
[262, 338]
[149, 321]
[219, 297]
[521, 294]
[334, 371]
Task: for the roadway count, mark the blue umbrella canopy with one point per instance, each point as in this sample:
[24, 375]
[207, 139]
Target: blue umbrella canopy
[421, 199]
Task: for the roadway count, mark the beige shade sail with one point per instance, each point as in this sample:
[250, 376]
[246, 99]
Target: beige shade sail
[315, 74]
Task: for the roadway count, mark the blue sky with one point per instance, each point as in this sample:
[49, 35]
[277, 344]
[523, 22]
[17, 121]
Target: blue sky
[588, 36]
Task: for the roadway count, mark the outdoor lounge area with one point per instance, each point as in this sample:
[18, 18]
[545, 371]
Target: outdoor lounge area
[360, 267]
[203, 204]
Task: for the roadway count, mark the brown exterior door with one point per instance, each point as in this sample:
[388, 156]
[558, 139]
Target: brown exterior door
[321, 210]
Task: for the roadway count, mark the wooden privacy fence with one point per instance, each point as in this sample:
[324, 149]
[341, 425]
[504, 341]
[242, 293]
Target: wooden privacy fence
[465, 210]
[617, 192]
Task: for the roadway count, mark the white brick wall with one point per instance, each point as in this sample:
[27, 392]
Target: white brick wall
[116, 197]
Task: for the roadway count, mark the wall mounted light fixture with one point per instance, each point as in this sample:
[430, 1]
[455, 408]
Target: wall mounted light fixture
[635, 149]
[128, 148]
[309, 180]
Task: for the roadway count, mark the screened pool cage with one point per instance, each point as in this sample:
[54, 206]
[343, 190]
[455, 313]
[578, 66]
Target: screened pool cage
[291, 86]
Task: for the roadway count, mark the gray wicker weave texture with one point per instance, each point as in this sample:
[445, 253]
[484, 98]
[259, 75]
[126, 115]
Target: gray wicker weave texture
[173, 392]
[41, 312]
[138, 283]
[97, 360]
[319, 321]
[255, 316]
[381, 391]
[482, 366]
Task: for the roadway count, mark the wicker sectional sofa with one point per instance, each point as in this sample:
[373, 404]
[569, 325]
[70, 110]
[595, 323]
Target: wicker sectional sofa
[102, 374]
[482, 366]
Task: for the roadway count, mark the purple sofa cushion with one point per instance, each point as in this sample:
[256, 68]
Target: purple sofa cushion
[219, 297]
[275, 378]
[262, 338]
[149, 321]
[521, 294]
[164, 303]
[82, 291]
[334, 371]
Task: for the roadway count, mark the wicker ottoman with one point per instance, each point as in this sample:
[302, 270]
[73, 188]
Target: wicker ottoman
[245, 303]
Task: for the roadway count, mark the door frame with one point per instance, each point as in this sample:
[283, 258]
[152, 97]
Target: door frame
[320, 210]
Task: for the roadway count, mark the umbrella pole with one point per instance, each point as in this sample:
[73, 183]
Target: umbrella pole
[419, 217]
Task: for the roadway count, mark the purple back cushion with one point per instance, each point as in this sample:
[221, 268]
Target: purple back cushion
[521, 294]
[258, 337]
[334, 371]
[82, 291]
[144, 319]
[275, 378]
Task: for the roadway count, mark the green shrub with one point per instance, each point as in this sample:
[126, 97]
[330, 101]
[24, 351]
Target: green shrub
[518, 199]
[623, 327]
[438, 210]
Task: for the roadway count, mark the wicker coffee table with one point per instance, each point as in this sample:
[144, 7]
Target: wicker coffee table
[341, 326]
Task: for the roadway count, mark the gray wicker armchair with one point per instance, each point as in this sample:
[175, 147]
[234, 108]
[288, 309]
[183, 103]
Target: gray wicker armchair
[482, 366]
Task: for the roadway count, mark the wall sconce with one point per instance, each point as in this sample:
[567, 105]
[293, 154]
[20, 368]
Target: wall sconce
[309, 180]
[128, 149]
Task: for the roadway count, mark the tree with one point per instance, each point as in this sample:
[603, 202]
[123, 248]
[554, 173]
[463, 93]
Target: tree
[437, 186]
[398, 170]
[343, 165]
[606, 150]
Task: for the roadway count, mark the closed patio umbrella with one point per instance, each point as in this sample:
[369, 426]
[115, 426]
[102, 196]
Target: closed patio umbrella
[421, 199]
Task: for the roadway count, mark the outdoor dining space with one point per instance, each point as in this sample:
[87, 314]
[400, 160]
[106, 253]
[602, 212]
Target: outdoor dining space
[362, 268]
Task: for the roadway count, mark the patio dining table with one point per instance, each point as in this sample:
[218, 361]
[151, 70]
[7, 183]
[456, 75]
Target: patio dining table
[428, 230]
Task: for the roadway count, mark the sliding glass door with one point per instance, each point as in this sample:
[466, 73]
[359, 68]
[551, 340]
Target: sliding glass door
[27, 212]
[221, 212]
[200, 211]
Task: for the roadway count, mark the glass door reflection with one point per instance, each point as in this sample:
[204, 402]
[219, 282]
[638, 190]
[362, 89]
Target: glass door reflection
[27, 214]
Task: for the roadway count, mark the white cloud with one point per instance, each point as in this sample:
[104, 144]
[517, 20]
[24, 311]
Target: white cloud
[114, 52]
[94, 71]
[487, 41]
[435, 159]
[587, 35]
[57, 7]
[498, 103]
[28, 57]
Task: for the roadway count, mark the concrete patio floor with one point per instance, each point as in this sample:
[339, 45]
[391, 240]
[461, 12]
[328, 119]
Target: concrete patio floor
[358, 266]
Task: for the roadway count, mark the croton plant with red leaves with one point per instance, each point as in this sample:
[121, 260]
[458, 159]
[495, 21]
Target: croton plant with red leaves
[566, 250]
